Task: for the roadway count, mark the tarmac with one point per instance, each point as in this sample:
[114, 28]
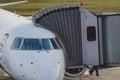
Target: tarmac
[105, 74]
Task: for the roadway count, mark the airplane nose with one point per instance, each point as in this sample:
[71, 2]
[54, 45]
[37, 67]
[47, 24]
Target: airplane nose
[49, 74]
[43, 66]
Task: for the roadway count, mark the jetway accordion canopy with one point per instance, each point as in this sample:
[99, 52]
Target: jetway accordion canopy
[65, 22]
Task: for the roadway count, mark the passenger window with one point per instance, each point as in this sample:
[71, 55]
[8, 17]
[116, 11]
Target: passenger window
[16, 43]
[31, 44]
[91, 33]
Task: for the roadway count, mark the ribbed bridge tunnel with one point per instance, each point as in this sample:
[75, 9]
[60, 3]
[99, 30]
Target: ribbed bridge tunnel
[65, 21]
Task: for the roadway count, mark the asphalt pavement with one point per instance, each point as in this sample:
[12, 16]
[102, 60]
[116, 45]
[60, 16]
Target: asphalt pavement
[105, 74]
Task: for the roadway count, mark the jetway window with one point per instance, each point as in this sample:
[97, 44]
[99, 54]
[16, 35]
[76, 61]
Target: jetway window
[91, 33]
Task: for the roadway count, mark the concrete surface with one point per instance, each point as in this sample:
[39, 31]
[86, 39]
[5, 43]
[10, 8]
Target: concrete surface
[106, 74]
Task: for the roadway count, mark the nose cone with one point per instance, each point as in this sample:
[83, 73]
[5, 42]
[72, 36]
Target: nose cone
[39, 66]
[50, 72]
[53, 73]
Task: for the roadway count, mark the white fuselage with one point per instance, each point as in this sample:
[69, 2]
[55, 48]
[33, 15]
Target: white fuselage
[24, 63]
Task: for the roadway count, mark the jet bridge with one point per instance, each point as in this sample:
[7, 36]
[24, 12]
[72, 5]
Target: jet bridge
[87, 38]
[109, 38]
[71, 24]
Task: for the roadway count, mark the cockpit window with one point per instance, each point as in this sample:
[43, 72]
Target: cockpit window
[17, 43]
[31, 44]
[46, 44]
[35, 44]
[54, 44]
[49, 44]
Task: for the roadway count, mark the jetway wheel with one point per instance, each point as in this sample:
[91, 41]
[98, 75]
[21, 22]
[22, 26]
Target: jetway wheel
[74, 72]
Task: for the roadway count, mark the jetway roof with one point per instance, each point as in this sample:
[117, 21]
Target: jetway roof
[51, 9]
[102, 14]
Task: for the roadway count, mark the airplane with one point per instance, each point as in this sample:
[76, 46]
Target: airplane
[28, 52]
[31, 51]
[30, 48]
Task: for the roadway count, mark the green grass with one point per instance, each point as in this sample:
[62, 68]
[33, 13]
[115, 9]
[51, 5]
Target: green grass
[91, 5]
